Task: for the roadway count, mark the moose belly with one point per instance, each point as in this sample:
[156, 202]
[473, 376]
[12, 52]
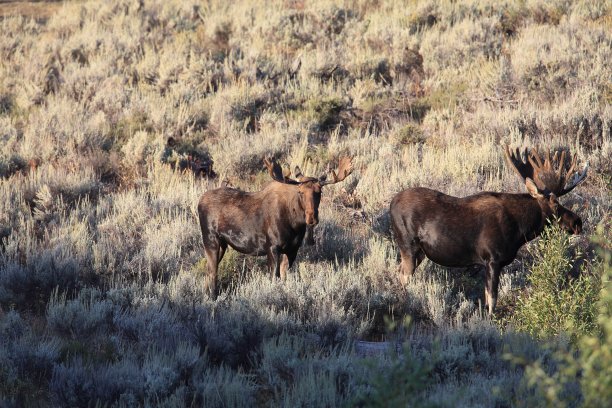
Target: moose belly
[245, 243]
[451, 250]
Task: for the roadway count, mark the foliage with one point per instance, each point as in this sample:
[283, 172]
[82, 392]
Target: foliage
[581, 375]
[410, 134]
[102, 297]
[556, 301]
[399, 381]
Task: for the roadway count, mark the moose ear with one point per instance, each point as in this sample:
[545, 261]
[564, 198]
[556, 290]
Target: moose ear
[532, 189]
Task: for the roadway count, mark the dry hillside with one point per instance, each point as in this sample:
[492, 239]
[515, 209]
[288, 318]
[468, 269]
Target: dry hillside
[102, 298]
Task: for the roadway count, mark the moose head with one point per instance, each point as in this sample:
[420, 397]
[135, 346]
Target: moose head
[309, 188]
[548, 179]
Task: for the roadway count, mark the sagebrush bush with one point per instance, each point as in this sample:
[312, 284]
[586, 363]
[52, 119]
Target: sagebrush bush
[26, 362]
[81, 317]
[102, 290]
[402, 381]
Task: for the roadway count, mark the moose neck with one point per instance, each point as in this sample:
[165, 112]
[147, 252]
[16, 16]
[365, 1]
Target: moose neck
[296, 210]
[532, 217]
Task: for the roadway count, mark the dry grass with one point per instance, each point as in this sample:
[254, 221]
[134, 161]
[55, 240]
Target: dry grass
[101, 257]
[39, 10]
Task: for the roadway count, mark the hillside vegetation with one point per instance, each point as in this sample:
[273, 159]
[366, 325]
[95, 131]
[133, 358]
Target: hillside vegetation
[102, 297]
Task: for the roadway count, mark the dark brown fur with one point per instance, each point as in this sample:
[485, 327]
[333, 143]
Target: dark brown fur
[486, 228]
[269, 222]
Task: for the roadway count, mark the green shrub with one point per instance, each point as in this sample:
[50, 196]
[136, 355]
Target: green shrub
[421, 19]
[595, 360]
[448, 96]
[9, 165]
[125, 128]
[297, 371]
[246, 113]
[400, 382]
[377, 69]
[581, 375]
[410, 134]
[325, 112]
[557, 302]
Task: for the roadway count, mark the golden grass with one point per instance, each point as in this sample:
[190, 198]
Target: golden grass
[420, 93]
[38, 10]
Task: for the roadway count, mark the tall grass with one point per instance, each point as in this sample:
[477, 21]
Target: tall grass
[102, 297]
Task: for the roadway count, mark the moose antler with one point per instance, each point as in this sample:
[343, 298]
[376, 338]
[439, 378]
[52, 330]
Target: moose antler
[276, 172]
[548, 174]
[345, 168]
[515, 160]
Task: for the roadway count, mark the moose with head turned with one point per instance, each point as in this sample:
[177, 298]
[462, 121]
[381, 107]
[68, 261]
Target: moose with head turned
[270, 222]
[486, 228]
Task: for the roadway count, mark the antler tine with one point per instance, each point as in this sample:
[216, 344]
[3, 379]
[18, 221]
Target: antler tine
[541, 170]
[538, 158]
[345, 168]
[561, 164]
[514, 160]
[548, 165]
[275, 170]
[572, 166]
[297, 172]
[576, 179]
[509, 155]
[547, 176]
[535, 160]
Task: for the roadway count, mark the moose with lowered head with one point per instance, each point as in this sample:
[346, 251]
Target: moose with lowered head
[486, 228]
[270, 222]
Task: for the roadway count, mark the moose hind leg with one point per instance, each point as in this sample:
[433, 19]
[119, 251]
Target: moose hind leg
[274, 260]
[212, 260]
[419, 256]
[491, 285]
[411, 258]
[408, 248]
[222, 248]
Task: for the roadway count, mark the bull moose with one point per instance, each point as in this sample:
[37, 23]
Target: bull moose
[487, 228]
[269, 222]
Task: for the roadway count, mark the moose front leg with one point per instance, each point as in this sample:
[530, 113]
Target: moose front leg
[309, 235]
[286, 263]
[491, 285]
[274, 261]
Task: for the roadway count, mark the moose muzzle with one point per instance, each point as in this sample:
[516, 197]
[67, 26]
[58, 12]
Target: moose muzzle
[311, 218]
